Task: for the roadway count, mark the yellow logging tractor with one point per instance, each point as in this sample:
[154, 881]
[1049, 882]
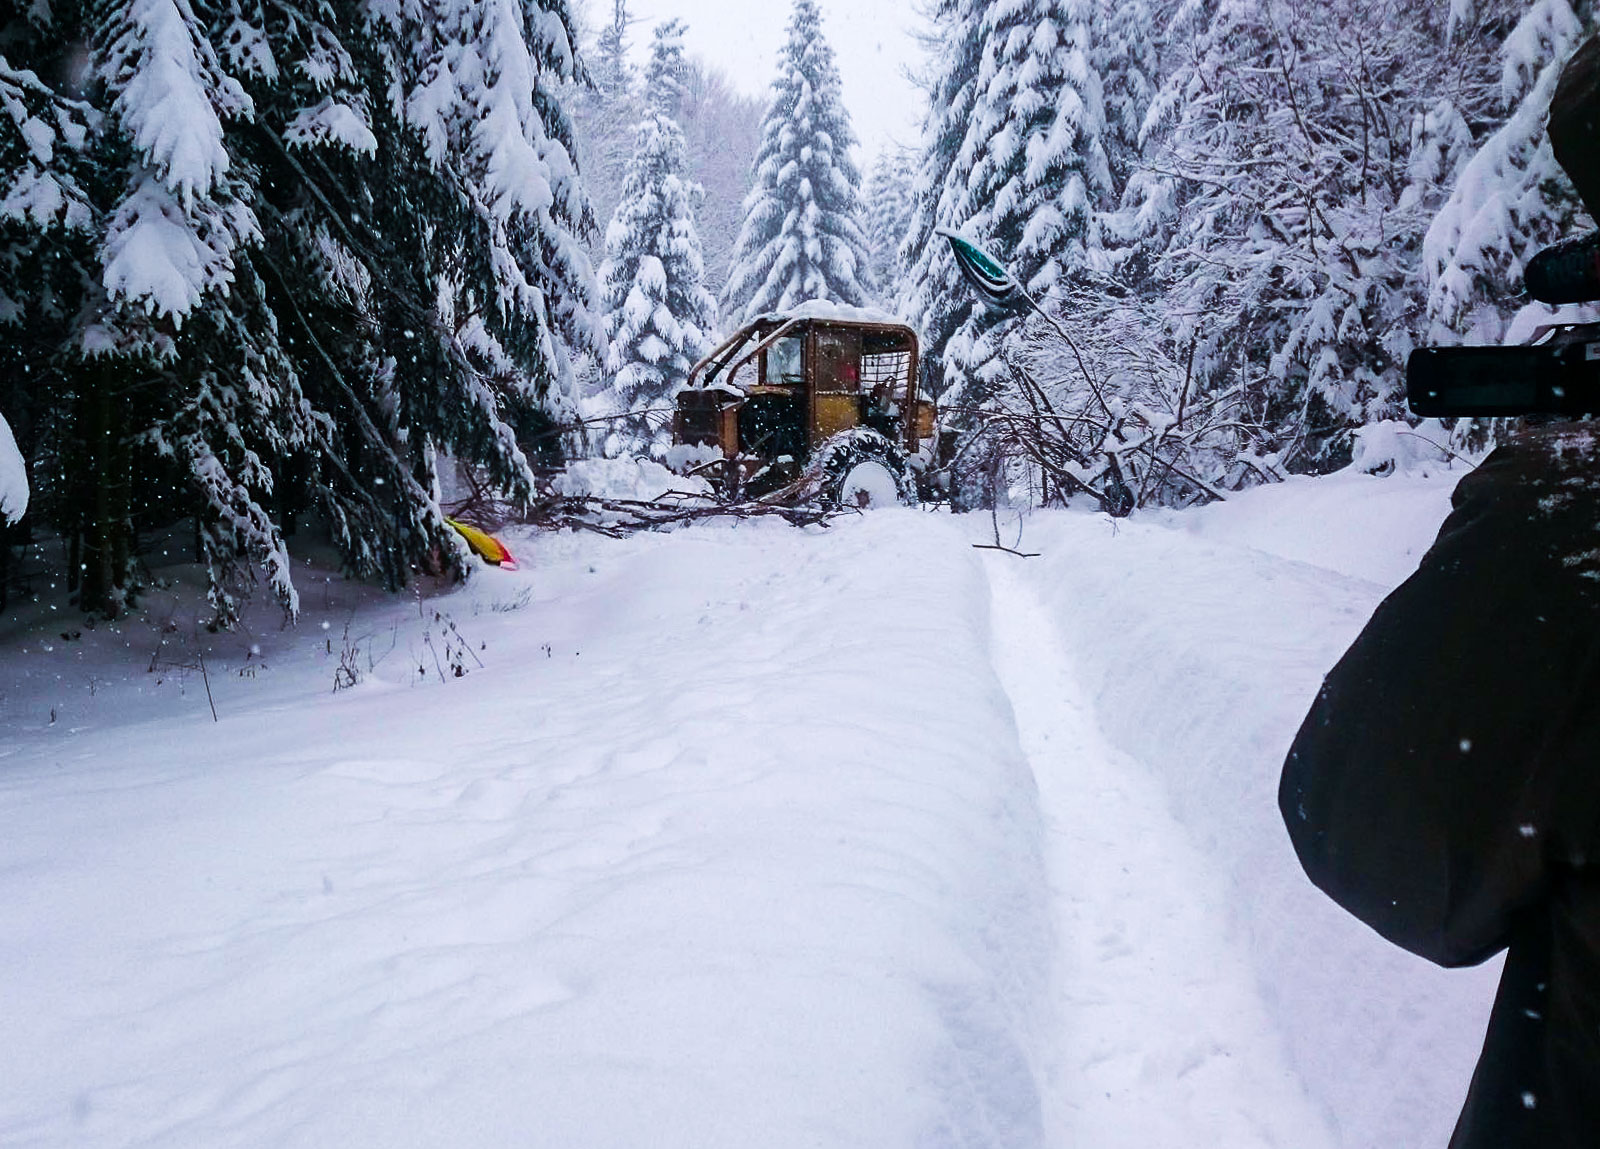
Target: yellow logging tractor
[815, 403]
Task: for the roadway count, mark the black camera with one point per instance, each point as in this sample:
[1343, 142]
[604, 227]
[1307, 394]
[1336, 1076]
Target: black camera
[1558, 373]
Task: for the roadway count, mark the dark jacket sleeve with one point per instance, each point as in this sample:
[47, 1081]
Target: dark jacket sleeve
[1445, 769]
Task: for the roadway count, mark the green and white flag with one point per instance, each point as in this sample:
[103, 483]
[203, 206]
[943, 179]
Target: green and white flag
[987, 275]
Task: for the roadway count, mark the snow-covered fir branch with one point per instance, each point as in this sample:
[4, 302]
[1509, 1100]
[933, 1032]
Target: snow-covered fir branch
[274, 268]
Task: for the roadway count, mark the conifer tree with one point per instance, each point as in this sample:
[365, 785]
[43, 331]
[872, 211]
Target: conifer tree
[173, 221]
[1036, 166]
[802, 238]
[48, 217]
[888, 212]
[1129, 47]
[606, 114]
[172, 237]
[932, 294]
[612, 73]
[722, 130]
[326, 243]
[46, 211]
[659, 317]
[1126, 60]
[1027, 175]
[421, 283]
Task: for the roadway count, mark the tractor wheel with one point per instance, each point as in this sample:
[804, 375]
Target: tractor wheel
[1116, 499]
[862, 468]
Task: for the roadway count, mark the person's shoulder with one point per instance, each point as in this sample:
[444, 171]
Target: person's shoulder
[1551, 465]
[1534, 503]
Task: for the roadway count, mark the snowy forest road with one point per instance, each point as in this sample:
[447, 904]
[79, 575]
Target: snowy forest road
[1160, 1037]
[740, 836]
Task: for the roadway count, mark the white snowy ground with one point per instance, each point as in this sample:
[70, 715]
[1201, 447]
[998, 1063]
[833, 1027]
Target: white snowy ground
[754, 836]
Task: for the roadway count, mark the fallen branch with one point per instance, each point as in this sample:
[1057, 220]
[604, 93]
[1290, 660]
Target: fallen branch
[618, 518]
[1007, 550]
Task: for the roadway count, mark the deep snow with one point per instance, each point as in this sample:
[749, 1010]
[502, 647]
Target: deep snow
[736, 836]
[13, 477]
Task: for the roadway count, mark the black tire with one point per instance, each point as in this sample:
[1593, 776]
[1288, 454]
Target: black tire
[835, 462]
[1116, 499]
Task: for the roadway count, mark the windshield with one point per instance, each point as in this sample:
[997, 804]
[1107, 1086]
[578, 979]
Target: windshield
[785, 361]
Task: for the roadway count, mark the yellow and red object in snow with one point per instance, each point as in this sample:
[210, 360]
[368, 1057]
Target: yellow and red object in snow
[485, 545]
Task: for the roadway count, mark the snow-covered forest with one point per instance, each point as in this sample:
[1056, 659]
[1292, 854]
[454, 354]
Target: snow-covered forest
[949, 824]
[284, 267]
[1247, 212]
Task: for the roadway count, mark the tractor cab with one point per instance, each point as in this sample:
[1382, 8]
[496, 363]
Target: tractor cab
[790, 390]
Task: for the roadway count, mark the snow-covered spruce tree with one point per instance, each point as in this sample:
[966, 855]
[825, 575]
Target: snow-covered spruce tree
[47, 228]
[422, 260]
[332, 242]
[280, 415]
[139, 216]
[802, 238]
[43, 133]
[481, 88]
[605, 113]
[1036, 167]
[1027, 176]
[932, 293]
[1126, 51]
[176, 218]
[414, 290]
[721, 130]
[47, 216]
[217, 417]
[612, 73]
[1510, 198]
[890, 204]
[659, 318]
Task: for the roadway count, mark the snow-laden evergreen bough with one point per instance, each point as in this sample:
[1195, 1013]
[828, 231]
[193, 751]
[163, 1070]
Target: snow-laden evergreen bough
[14, 490]
[802, 238]
[43, 202]
[606, 112]
[1510, 199]
[933, 294]
[1036, 169]
[183, 213]
[330, 244]
[659, 318]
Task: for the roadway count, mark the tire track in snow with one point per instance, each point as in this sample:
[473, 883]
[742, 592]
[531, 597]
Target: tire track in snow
[1158, 1039]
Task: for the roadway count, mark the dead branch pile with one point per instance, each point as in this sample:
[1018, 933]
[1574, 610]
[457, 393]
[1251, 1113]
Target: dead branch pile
[620, 517]
[1111, 414]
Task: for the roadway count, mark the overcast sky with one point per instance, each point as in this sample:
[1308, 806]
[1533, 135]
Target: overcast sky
[872, 41]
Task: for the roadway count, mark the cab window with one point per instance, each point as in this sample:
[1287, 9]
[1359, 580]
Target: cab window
[785, 360]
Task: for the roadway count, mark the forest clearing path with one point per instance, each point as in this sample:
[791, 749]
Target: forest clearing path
[730, 836]
[1158, 1036]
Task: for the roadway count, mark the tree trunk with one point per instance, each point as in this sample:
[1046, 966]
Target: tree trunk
[105, 530]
